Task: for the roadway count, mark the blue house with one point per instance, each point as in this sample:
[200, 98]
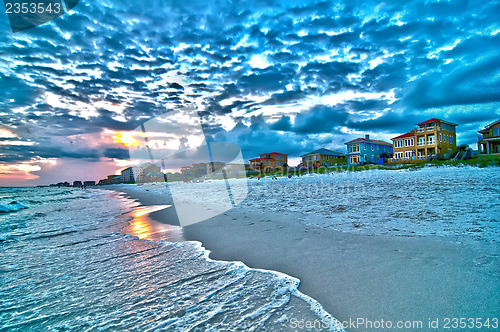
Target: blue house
[366, 150]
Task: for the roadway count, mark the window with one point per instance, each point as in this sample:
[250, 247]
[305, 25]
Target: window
[365, 157]
[373, 147]
[496, 131]
[364, 146]
[373, 158]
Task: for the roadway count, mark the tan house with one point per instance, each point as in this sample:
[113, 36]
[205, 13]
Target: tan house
[432, 138]
[269, 162]
[490, 139]
[322, 157]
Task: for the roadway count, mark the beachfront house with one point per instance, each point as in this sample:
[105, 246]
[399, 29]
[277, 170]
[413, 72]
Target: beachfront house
[322, 157]
[269, 162]
[489, 141]
[367, 150]
[432, 138]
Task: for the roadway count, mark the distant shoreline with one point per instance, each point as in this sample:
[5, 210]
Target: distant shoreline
[476, 161]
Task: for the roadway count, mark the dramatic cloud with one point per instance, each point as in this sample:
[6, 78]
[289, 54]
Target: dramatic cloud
[290, 76]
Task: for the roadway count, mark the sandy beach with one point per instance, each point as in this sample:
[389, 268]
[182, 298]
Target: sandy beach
[364, 278]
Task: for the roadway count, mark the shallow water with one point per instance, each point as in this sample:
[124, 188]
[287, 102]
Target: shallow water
[84, 260]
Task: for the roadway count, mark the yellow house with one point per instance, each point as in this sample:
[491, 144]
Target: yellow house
[432, 138]
[269, 162]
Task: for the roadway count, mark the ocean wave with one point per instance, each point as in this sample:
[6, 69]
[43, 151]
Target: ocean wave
[12, 207]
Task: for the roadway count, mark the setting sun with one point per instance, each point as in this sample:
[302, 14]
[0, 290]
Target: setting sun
[127, 138]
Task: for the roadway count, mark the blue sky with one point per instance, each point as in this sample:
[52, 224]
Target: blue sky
[289, 76]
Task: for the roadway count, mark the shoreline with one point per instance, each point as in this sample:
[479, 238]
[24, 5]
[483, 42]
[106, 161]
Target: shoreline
[374, 277]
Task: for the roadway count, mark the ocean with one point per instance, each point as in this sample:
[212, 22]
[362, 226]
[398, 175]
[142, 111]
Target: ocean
[73, 259]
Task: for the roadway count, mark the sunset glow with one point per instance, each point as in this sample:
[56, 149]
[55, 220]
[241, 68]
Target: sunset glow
[127, 138]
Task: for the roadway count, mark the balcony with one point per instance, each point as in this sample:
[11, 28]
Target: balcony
[422, 130]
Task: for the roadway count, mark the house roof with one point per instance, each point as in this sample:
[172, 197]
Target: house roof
[490, 125]
[436, 120]
[430, 121]
[374, 141]
[256, 159]
[273, 153]
[325, 152]
[410, 134]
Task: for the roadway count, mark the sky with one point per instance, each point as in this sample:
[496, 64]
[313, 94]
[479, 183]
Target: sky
[287, 76]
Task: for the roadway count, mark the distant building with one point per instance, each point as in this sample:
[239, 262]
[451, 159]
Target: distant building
[194, 171]
[77, 184]
[127, 175]
[489, 141]
[89, 183]
[214, 167]
[366, 150]
[154, 177]
[112, 179]
[141, 171]
[269, 162]
[432, 138]
[323, 157]
[137, 174]
[116, 179]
